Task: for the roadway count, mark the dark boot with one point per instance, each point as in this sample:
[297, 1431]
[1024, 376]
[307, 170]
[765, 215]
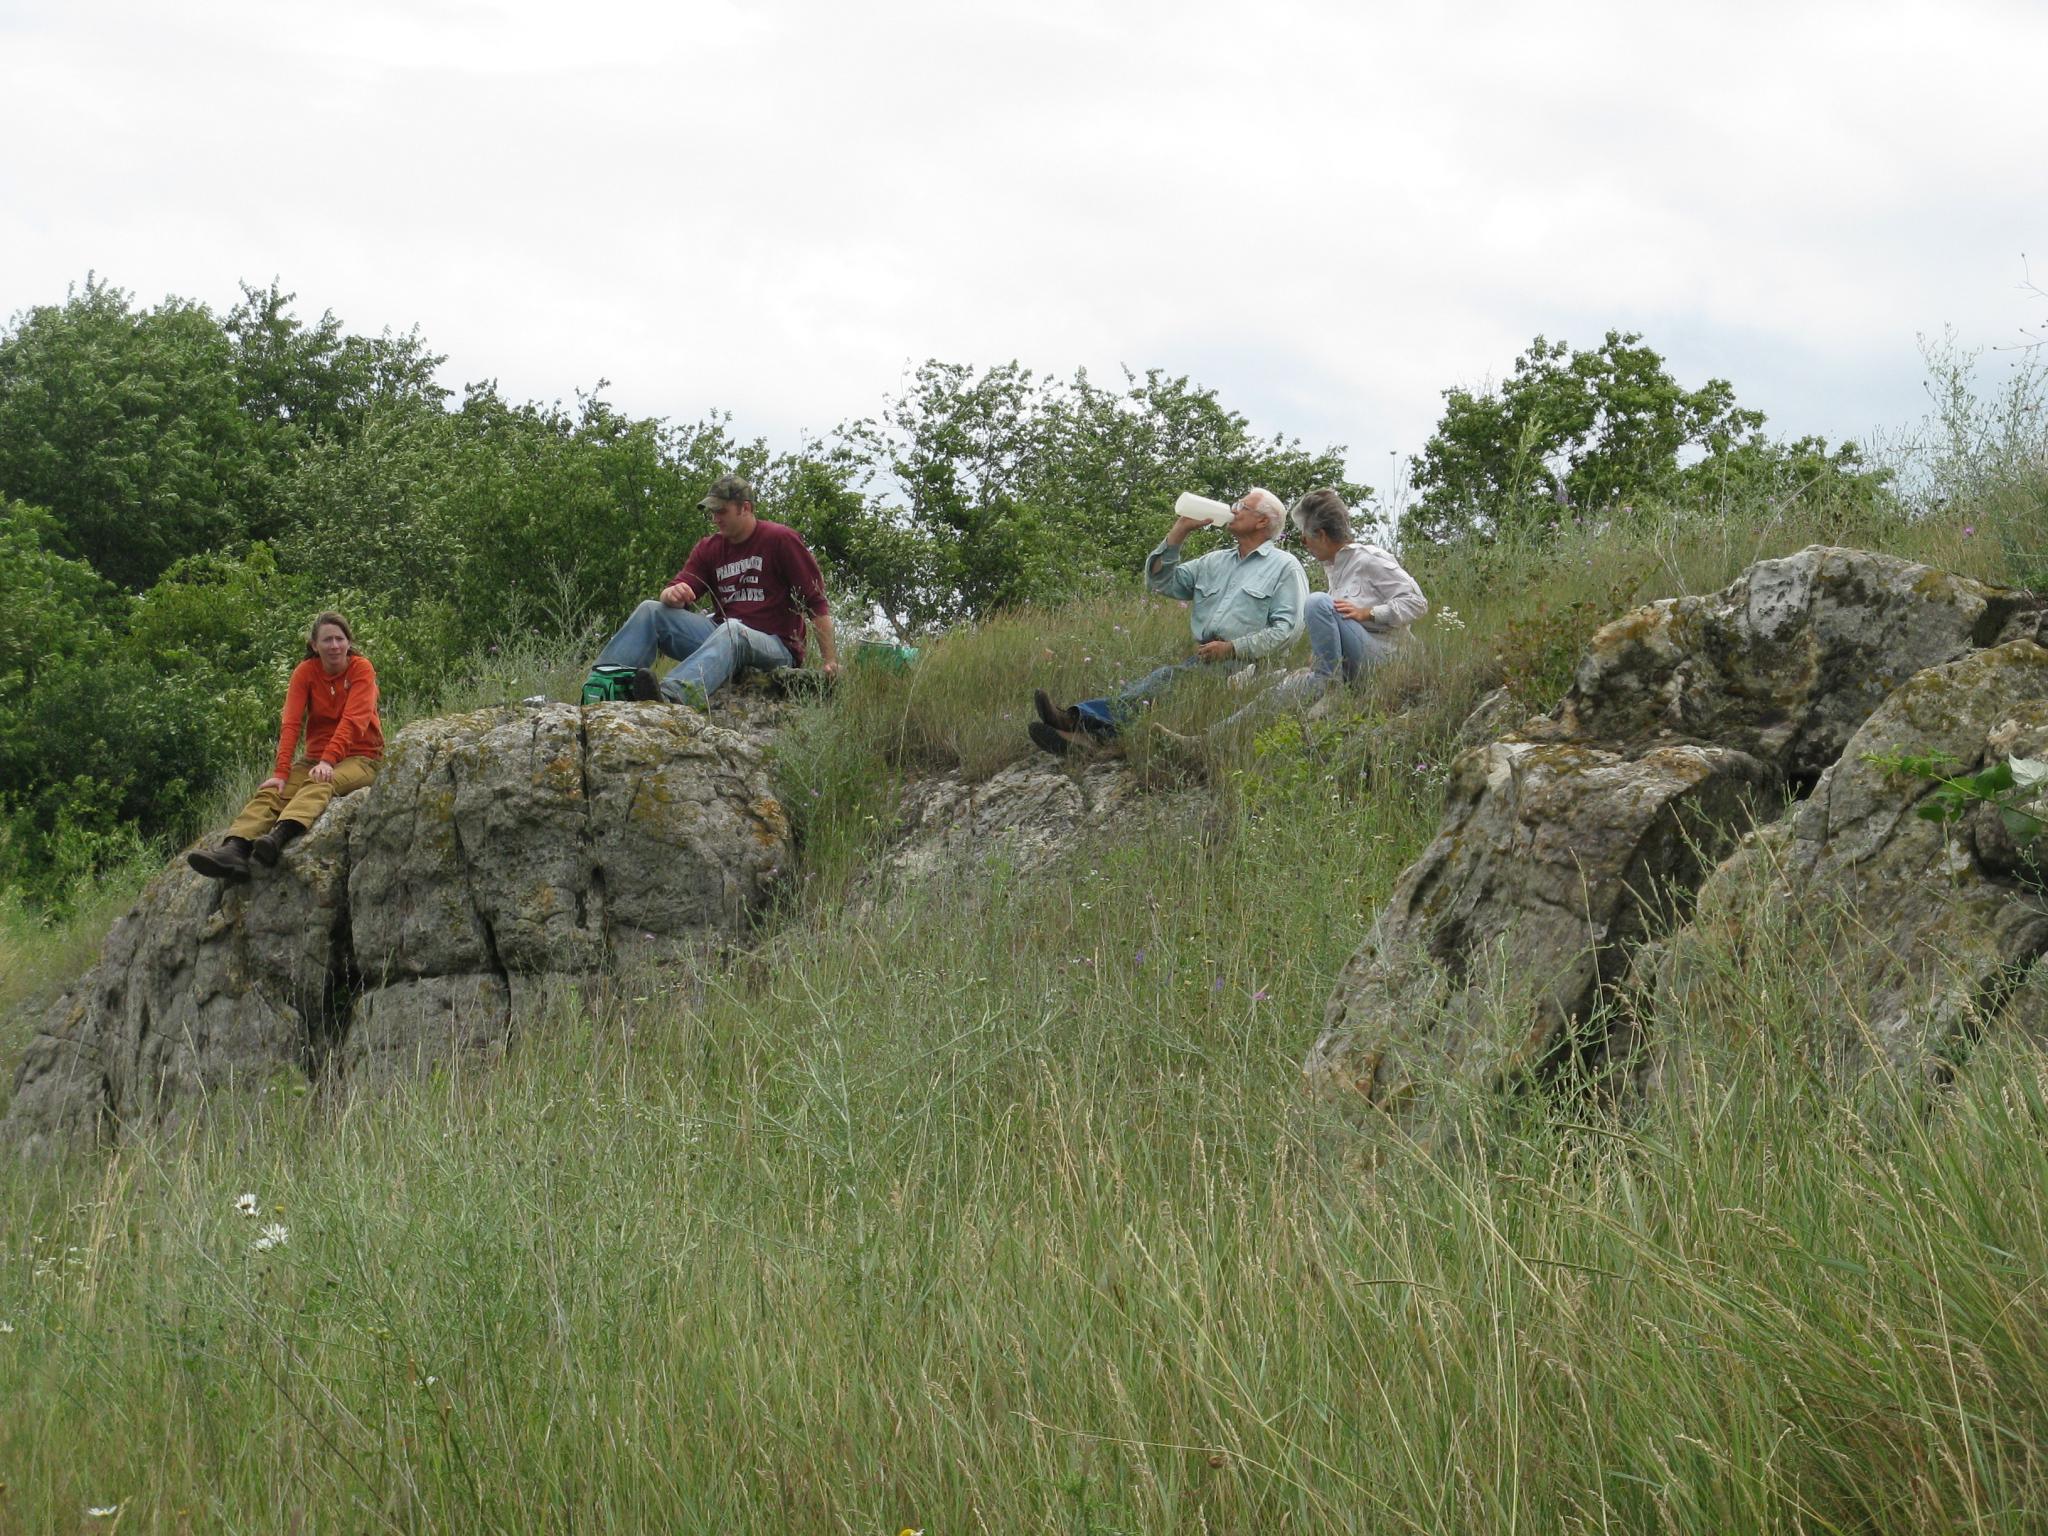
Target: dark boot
[645, 687]
[1067, 719]
[230, 861]
[266, 848]
[1064, 743]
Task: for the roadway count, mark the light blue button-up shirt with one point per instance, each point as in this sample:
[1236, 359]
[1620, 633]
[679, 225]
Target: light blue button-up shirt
[1255, 601]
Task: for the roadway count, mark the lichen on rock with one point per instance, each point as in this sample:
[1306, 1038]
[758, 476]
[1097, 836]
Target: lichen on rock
[1581, 837]
[495, 850]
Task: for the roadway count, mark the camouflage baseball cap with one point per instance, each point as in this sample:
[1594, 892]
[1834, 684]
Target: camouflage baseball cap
[724, 489]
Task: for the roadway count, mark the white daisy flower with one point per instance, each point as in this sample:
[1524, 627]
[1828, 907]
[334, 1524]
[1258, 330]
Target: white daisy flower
[272, 1236]
[101, 1511]
[246, 1205]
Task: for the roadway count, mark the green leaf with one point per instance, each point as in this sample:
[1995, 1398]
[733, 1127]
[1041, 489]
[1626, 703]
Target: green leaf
[1987, 783]
[2024, 828]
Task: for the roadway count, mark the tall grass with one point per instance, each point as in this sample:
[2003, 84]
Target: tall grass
[997, 1208]
[992, 1204]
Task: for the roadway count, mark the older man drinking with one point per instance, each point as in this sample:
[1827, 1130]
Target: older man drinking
[1246, 601]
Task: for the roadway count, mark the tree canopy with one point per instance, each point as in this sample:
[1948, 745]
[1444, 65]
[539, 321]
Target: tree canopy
[180, 490]
[1590, 432]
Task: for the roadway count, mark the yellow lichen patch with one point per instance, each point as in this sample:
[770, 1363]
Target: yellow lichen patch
[1933, 583]
[1637, 628]
[772, 826]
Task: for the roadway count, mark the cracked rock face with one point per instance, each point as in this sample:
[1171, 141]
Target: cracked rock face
[1584, 835]
[494, 851]
[1928, 935]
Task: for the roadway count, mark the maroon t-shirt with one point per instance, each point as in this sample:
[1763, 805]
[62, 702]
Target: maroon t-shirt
[768, 583]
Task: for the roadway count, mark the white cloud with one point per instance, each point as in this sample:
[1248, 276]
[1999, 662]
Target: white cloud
[1328, 212]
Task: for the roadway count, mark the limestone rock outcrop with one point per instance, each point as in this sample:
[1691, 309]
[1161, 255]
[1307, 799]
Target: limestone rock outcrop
[1583, 835]
[495, 850]
[1926, 934]
[1029, 816]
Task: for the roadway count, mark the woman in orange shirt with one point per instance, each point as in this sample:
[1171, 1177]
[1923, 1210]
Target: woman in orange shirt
[333, 694]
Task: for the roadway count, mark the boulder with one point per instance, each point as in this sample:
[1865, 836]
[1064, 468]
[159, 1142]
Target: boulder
[1551, 864]
[1029, 815]
[495, 849]
[1785, 663]
[1583, 835]
[200, 987]
[1920, 936]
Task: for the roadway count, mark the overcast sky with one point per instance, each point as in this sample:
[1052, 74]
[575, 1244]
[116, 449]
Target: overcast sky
[1327, 212]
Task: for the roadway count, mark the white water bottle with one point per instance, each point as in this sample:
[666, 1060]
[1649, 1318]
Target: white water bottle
[1201, 509]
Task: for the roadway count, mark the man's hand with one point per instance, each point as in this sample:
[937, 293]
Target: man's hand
[320, 773]
[677, 596]
[275, 781]
[828, 645]
[1182, 527]
[1360, 612]
[1215, 650]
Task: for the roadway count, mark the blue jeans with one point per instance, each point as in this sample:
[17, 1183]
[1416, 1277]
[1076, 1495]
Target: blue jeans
[1102, 717]
[708, 655]
[1337, 647]
[1336, 642]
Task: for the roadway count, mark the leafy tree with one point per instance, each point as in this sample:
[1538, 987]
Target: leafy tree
[99, 736]
[1759, 471]
[51, 606]
[378, 513]
[1583, 430]
[316, 378]
[871, 559]
[573, 517]
[127, 427]
[1119, 458]
[232, 626]
[155, 434]
[1011, 488]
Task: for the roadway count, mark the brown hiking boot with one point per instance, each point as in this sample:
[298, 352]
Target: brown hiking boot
[230, 861]
[266, 848]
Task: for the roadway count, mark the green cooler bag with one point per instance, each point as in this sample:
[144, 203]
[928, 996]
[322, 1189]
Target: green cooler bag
[608, 685]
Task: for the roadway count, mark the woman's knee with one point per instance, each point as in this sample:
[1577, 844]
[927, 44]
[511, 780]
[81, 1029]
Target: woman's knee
[1320, 606]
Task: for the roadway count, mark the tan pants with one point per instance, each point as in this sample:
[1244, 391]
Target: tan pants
[303, 797]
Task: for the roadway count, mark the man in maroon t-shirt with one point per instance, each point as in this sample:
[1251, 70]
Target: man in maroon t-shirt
[764, 588]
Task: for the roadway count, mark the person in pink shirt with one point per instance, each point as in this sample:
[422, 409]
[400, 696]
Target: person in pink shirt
[765, 591]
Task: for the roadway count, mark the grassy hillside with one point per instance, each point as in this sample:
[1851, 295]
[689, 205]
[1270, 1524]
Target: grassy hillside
[993, 1205]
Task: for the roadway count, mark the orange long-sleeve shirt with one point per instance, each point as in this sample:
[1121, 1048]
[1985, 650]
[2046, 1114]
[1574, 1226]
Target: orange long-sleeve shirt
[339, 714]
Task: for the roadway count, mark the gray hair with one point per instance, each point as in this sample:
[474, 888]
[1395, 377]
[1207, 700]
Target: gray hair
[1268, 505]
[1323, 511]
